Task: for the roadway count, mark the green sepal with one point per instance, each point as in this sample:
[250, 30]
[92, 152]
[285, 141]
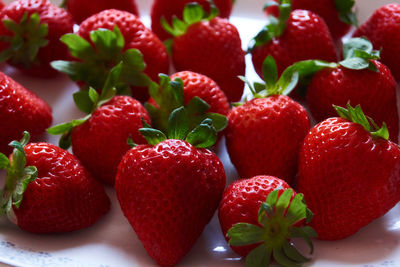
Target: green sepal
[131, 143]
[204, 135]
[29, 35]
[97, 59]
[358, 54]
[18, 176]
[152, 136]
[346, 14]
[192, 14]
[278, 218]
[178, 124]
[356, 115]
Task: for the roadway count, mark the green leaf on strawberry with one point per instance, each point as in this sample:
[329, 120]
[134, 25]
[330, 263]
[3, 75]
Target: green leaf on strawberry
[97, 60]
[18, 176]
[28, 36]
[278, 220]
[346, 14]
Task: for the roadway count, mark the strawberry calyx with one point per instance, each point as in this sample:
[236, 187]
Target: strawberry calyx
[18, 176]
[192, 14]
[287, 82]
[276, 25]
[358, 54]
[278, 220]
[168, 96]
[356, 115]
[88, 101]
[346, 14]
[204, 135]
[28, 36]
[94, 62]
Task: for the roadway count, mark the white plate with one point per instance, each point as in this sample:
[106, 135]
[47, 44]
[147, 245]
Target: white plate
[112, 242]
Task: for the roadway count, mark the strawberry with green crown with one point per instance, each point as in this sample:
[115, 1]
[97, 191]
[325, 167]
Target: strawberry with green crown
[47, 190]
[169, 189]
[208, 45]
[29, 35]
[293, 36]
[361, 79]
[103, 41]
[349, 172]
[259, 216]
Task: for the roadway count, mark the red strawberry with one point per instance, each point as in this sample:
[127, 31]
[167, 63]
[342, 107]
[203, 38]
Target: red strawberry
[264, 135]
[30, 31]
[210, 46]
[383, 29]
[60, 195]
[99, 51]
[170, 189]
[365, 81]
[294, 36]
[102, 137]
[259, 216]
[2, 5]
[20, 110]
[81, 10]
[171, 8]
[337, 14]
[349, 172]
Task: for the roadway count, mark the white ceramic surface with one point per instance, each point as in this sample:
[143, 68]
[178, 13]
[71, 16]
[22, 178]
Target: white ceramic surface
[112, 242]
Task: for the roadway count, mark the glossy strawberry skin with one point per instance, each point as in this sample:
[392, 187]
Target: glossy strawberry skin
[213, 48]
[64, 197]
[241, 202]
[169, 192]
[264, 136]
[348, 178]
[103, 138]
[199, 85]
[374, 91]
[383, 30]
[20, 110]
[306, 37]
[59, 22]
[136, 36]
[168, 9]
[82, 9]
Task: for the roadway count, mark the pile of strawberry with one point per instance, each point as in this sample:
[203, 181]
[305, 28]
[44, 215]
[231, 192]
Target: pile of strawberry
[151, 135]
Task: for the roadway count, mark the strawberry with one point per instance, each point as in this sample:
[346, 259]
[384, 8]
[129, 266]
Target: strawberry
[102, 135]
[349, 172]
[53, 194]
[97, 51]
[81, 10]
[2, 5]
[383, 29]
[29, 33]
[259, 216]
[294, 36]
[264, 134]
[174, 8]
[20, 109]
[337, 14]
[360, 79]
[208, 45]
[169, 190]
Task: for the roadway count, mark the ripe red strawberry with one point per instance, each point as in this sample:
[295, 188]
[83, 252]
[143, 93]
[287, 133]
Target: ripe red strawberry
[30, 31]
[98, 52]
[103, 135]
[264, 135]
[383, 30]
[211, 46]
[366, 81]
[337, 14]
[82, 9]
[20, 110]
[169, 9]
[60, 195]
[294, 36]
[349, 172]
[170, 189]
[259, 216]
[2, 5]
